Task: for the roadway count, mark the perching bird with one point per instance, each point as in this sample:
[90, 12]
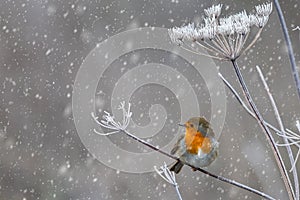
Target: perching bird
[197, 147]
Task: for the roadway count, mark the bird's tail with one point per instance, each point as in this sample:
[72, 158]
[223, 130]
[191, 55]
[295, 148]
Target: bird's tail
[177, 167]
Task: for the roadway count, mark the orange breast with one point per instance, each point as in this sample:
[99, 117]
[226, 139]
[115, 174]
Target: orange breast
[195, 140]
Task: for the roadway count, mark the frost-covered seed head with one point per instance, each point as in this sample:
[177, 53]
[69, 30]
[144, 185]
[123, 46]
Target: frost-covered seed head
[223, 33]
[176, 34]
[241, 28]
[190, 32]
[214, 11]
[261, 21]
[244, 18]
[252, 19]
[209, 32]
[225, 29]
[200, 34]
[264, 9]
[208, 22]
[226, 21]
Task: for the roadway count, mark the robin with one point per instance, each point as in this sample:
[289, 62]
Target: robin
[197, 147]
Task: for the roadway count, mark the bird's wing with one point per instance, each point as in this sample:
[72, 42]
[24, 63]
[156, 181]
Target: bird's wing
[177, 145]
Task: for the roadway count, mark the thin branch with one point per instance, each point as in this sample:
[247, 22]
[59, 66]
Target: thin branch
[290, 48]
[270, 138]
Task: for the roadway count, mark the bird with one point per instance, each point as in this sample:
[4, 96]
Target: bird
[198, 146]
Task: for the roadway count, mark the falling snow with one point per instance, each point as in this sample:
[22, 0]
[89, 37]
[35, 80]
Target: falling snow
[45, 43]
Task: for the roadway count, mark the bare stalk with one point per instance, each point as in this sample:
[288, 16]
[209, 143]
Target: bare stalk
[280, 123]
[269, 136]
[240, 100]
[289, 45]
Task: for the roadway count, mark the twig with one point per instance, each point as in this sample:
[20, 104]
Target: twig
[289, 47]
[270, 138]
[168, 176]
[110, 120]
[278, 118]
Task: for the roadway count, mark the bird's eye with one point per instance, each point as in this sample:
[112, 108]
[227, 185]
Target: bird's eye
[192, 125]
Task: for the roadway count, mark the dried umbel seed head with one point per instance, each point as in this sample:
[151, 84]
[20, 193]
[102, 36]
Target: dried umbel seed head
[223, 37]
[264, 9]
[213, 11]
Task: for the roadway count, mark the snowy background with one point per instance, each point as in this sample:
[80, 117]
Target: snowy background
[42, 46]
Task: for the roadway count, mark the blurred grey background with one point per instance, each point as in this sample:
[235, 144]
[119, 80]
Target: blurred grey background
[42, 45]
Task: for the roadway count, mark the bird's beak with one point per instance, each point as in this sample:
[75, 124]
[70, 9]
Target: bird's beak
[182, 125]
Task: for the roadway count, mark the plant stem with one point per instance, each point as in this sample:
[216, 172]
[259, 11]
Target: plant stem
[221, 178]
[289, 45]
[270, 138]
[280, 123]
[178, 192]
[250, 112]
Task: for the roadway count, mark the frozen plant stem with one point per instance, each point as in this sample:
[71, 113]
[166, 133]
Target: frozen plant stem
[289, 135]
[289, 45]
[282, 129]
[240, 100]
[270, 138]
[109, 122]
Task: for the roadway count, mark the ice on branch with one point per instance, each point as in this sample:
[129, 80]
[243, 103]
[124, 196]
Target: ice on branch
[224, 38]
[108, 121]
